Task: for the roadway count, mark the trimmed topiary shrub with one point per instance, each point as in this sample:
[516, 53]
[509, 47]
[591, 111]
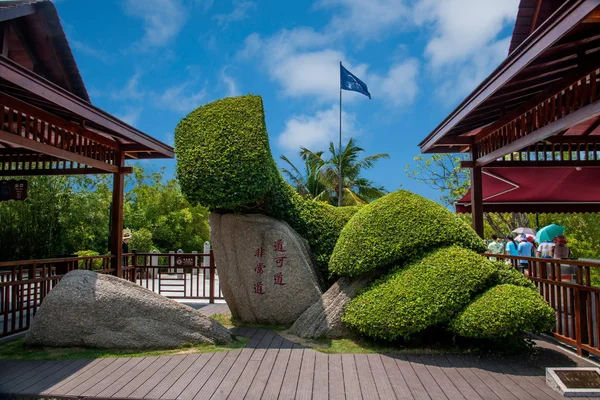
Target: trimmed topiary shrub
[506, 273]
[400, 226]
[503, 311]
[425, 293]
[224, 162]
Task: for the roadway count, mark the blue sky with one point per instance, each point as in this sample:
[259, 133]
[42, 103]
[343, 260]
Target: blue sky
[150, 62]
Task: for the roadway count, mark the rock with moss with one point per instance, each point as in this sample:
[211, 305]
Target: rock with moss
[426, 293]
[224, 162]
[399, 227]
[503, 311]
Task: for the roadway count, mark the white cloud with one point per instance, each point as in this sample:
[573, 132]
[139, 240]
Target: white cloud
[163, 19]
[230, 83]
[131, 91]
[240, 11]
[88, 50]
[367, 20]
[131, 116]
[316, 131]
[399, 87]
[462, 28]
[181, 98]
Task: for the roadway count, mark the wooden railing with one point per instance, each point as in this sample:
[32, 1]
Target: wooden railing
[25, 284]
[567, 287]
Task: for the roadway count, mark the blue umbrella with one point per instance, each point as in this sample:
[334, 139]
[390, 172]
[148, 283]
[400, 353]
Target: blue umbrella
[549, 233]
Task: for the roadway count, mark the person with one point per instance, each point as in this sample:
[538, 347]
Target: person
[512, 249]
[525, 250]
[545, 249]
[560, 248]
[495, 246]
[125, 244]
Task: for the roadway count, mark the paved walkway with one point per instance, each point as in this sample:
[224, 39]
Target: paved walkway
[271, 367]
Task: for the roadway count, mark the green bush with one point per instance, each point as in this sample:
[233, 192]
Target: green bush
[94, 264]
[224, 162]
[506, 273]
[223, 156]
[502, 311]
[425, 293]
[399, 227]
[141, 241]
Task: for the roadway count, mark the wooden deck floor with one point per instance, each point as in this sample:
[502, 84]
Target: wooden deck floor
[271, 367]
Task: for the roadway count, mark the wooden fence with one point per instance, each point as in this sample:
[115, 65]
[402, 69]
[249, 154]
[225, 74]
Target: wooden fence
[567, 286]
[25, 284]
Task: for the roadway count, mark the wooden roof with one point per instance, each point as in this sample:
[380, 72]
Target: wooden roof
[558, 46]
[36, 40]
[531, 14]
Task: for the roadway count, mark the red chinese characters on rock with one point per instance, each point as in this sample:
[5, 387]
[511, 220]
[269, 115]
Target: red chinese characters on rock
[260, 268]
[278, 277]
[278, 246]
[279, 261]
[260, 252]
[258, 288]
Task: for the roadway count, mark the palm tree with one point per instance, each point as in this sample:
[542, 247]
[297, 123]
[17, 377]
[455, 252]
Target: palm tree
[355, 189]
[311, 182]
[320, 178]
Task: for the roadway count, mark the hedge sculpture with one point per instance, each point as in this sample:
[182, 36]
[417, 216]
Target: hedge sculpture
[432, 274]
[224, 162]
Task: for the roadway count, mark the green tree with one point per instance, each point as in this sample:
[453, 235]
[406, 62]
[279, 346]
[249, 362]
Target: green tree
[321, 177]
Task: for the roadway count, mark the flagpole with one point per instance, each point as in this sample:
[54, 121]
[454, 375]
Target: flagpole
[340, 151]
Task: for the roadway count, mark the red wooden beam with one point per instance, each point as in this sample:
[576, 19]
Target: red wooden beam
[55, 152]
[570, 120]
[547, 164]
[47, 90]
[16, 12]
[565, 19]
[60, 171]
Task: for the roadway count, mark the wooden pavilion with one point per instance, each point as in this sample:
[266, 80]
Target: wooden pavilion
[48, 124]
[538, 112]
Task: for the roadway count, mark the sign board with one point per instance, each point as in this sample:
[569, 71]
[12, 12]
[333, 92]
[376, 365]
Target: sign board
[13, 190]
[185, 261]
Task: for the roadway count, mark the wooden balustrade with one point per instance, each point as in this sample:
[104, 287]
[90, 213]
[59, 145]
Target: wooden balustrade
[567, 287]
[25, 284]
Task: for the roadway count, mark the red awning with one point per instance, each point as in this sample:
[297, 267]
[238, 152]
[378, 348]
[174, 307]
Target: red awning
[538, 189]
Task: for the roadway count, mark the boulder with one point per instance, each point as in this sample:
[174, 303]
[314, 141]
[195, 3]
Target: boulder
[324, 318]
[265, 268]
[87, 309]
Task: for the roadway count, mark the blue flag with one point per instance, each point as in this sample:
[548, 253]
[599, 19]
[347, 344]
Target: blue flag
[349, 81]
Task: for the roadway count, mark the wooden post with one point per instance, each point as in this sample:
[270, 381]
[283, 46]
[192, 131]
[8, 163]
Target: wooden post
[212, 278]
[476, 194]
[116, 223]
[581, 326]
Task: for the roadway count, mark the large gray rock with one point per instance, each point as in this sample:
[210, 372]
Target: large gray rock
[265, 268]
[323, 318]
[87, 309]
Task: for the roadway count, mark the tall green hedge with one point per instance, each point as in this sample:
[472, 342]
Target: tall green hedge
[505, 310]
[224, 162]
[398, 227]
[426, 293]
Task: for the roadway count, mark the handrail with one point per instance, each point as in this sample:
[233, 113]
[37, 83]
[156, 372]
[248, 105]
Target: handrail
[52, 260]
[568, 261]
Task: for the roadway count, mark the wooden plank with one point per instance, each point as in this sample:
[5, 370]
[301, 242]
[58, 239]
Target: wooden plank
[504, 379]
[382, 382]
[351, 384]
[476, 383]
[15, 386]
[275, 380]
[292, 374]
[82, 386]
[441, 379]
[266, 366]
[236, 370]
[304, 390]
[246, 378]
[536, 377]
[412, 380]
[194, 387]
[172, 377]
[143, 390]
[188, 375]
[14, 380]
[92, 364]
[488, 379]
[113, 379]
[456, 378]
[217, 376]
[397, 381]
[430, 384]
[336, 378]
[368, 388]
[321, 377]
[16, 367]
[58, 374]
[153, 364]
[263, 345]
[530, 388]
